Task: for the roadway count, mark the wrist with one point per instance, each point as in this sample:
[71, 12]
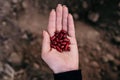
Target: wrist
[65, 69]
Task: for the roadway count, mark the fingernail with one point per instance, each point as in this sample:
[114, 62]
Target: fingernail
[59, 5]
[64, 6]
[52, 11]
[70, 14]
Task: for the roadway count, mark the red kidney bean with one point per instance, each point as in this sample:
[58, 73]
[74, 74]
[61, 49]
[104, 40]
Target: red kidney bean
[62, 46]
[68, 48]
[59, 49]
[60, 42]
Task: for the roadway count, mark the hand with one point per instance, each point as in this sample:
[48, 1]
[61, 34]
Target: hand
[65, 61]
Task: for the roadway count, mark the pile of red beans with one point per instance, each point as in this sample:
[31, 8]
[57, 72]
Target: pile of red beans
[60, 42]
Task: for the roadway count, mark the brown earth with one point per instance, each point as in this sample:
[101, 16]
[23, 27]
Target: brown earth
[21, 26]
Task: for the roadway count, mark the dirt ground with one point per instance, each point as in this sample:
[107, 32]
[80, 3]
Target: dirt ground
[21, 26]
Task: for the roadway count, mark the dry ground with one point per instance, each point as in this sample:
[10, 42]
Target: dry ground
[21, 38]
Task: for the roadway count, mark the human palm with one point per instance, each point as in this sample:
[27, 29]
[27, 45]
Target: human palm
[57, 61]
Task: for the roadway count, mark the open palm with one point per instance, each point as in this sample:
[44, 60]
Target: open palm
[57, 61]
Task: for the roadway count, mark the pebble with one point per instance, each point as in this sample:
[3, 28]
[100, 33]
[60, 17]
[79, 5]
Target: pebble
[25, 4]
[15, 58]
[98, 47]
[76, 16]
[14, 13]
[104, 59]
[36, 65]
[15, 1]
[24, 36]
[119, 4]
[4, 23]
[6, 72]
[108, 57]
[86, 60]
[95, 64]
[94, 17]
[85, 5]
[117, 39]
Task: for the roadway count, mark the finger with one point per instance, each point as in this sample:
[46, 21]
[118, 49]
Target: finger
[59, 17]
[52, 22]
[46, 42]
[71, 29]
[65, 16]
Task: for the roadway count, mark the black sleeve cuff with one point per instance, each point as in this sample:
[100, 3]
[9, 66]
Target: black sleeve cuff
[70, 75]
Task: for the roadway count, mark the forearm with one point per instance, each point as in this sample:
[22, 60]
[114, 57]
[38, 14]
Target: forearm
[70, 75]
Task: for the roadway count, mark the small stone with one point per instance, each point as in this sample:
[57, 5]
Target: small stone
[86, 60]
[119, 4]
[15, 1]
[95, 64]
[9, 70]
[94, 17]
[6, 72]
[14, 14]
[24, 36]
[85, 5]
[76, 16]
[25, 4]
[110, 57]
[117, 39]
[36, 65]
[105, 59]
[4, 23]
[15, 58]
[98, 48]
[115, 68]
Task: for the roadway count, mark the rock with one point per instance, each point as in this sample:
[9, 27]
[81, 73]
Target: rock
[85, 4]
[15, 59]
[95, 64]
[14, 13]
[25, 4]
[108, 57]
[15, 1]
[4, 23]
[86, 60]
[116, 39]
[94, 17]
[119, 4]
[5, 8]
[76, 16]
[98, 48]
[36, 66]
[24, 36]
[6, 72]
[104, 59]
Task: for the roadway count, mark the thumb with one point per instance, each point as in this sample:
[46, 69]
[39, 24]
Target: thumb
[46, 42]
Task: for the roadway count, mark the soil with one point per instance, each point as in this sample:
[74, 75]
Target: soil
[21, 26]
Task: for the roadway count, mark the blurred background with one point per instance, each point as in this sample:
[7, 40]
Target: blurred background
[97, 24]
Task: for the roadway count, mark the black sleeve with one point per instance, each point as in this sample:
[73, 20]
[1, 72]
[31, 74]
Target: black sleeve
[70, 75]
